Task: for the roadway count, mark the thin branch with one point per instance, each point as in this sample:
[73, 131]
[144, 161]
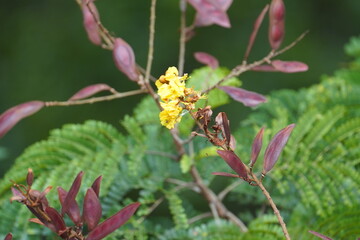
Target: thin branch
[182, 37]
[273, 205]
[95, 99]
[183, 184]
[229, 188]
[199, 217]
[163, 154]
[151, 209]
[246, 67]
[151, 39]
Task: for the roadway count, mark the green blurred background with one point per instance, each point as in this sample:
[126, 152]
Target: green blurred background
[45, 54]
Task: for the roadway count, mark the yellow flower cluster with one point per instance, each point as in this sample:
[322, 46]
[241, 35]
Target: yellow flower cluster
[175, 97]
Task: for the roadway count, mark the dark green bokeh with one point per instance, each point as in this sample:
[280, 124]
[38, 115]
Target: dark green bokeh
[45, 54]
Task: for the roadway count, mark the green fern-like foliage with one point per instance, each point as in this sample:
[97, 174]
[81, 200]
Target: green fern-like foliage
[315, 183]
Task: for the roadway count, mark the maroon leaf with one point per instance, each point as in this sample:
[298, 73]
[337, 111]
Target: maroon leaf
[206, 59]
[70, 197]
[113, 223]
[234, 162]
[91, 90]
[289, 66]
[8, 236]
[96, 186]
[225, 174]
[90, 23]
[56, 219]
[253, 35]
[264, 68]
[320, 235]
[222, 121]
[73, 212]
[232, 143]
[124, 59]
[13, 115]
[276, 23]
[92, 209]
[275, 147]
[256, 147]
[248, 98]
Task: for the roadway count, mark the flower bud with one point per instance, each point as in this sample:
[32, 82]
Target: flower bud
[90, 22]
[124, 59]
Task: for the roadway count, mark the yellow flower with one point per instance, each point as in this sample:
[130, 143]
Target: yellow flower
[175, 97]
[171, 114]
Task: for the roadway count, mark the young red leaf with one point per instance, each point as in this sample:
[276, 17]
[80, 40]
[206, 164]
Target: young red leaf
[256, 147]
[275, 147]
[248, 98]
[8, 236]
[253, 35]
[124, 59]
[91, 90]
[232, 143]
[13, 115]
[70, 197]
[206, 59]
[289, 66]
[264, 68]
[234, 162]
[36, 220]
[222, 121]
[211, 12]
[17, 195]
[320, 235]
[73, 211]
[96, 186]
[276, 23]
[56, 220]
[90, 23]
[113, 223]
[92, 209]
[225, 174]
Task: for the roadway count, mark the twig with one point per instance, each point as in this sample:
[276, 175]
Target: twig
[228, 189]
[246, 67]
[163, 154]
[151, 39]
[182, 37]
[183, 184]
[152, 208]
[95, 99]
[199, 217]
[272, 204]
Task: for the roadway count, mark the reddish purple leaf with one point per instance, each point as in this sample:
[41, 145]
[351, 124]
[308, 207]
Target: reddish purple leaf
[256, 147]
[56, 220]
[211, 12]
[234, 162]
[222, 121]
[222, 4]
[113, 223]
[225, 174]
[264, 68]
[70, 197]
[248, 98]
[8, 236]
[92, 209]
[13, 115]
[96, 186]
[275, 147]
[124, 59]
[320, 235]
[276, 23]
[206, 59]
[90, 23]
[253, 35]
[232, 143]
[17, 195]
[36, 220]
[289, 66]
[73, 212]
[91, 90]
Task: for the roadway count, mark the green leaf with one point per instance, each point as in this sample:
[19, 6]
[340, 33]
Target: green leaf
[185, 163]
